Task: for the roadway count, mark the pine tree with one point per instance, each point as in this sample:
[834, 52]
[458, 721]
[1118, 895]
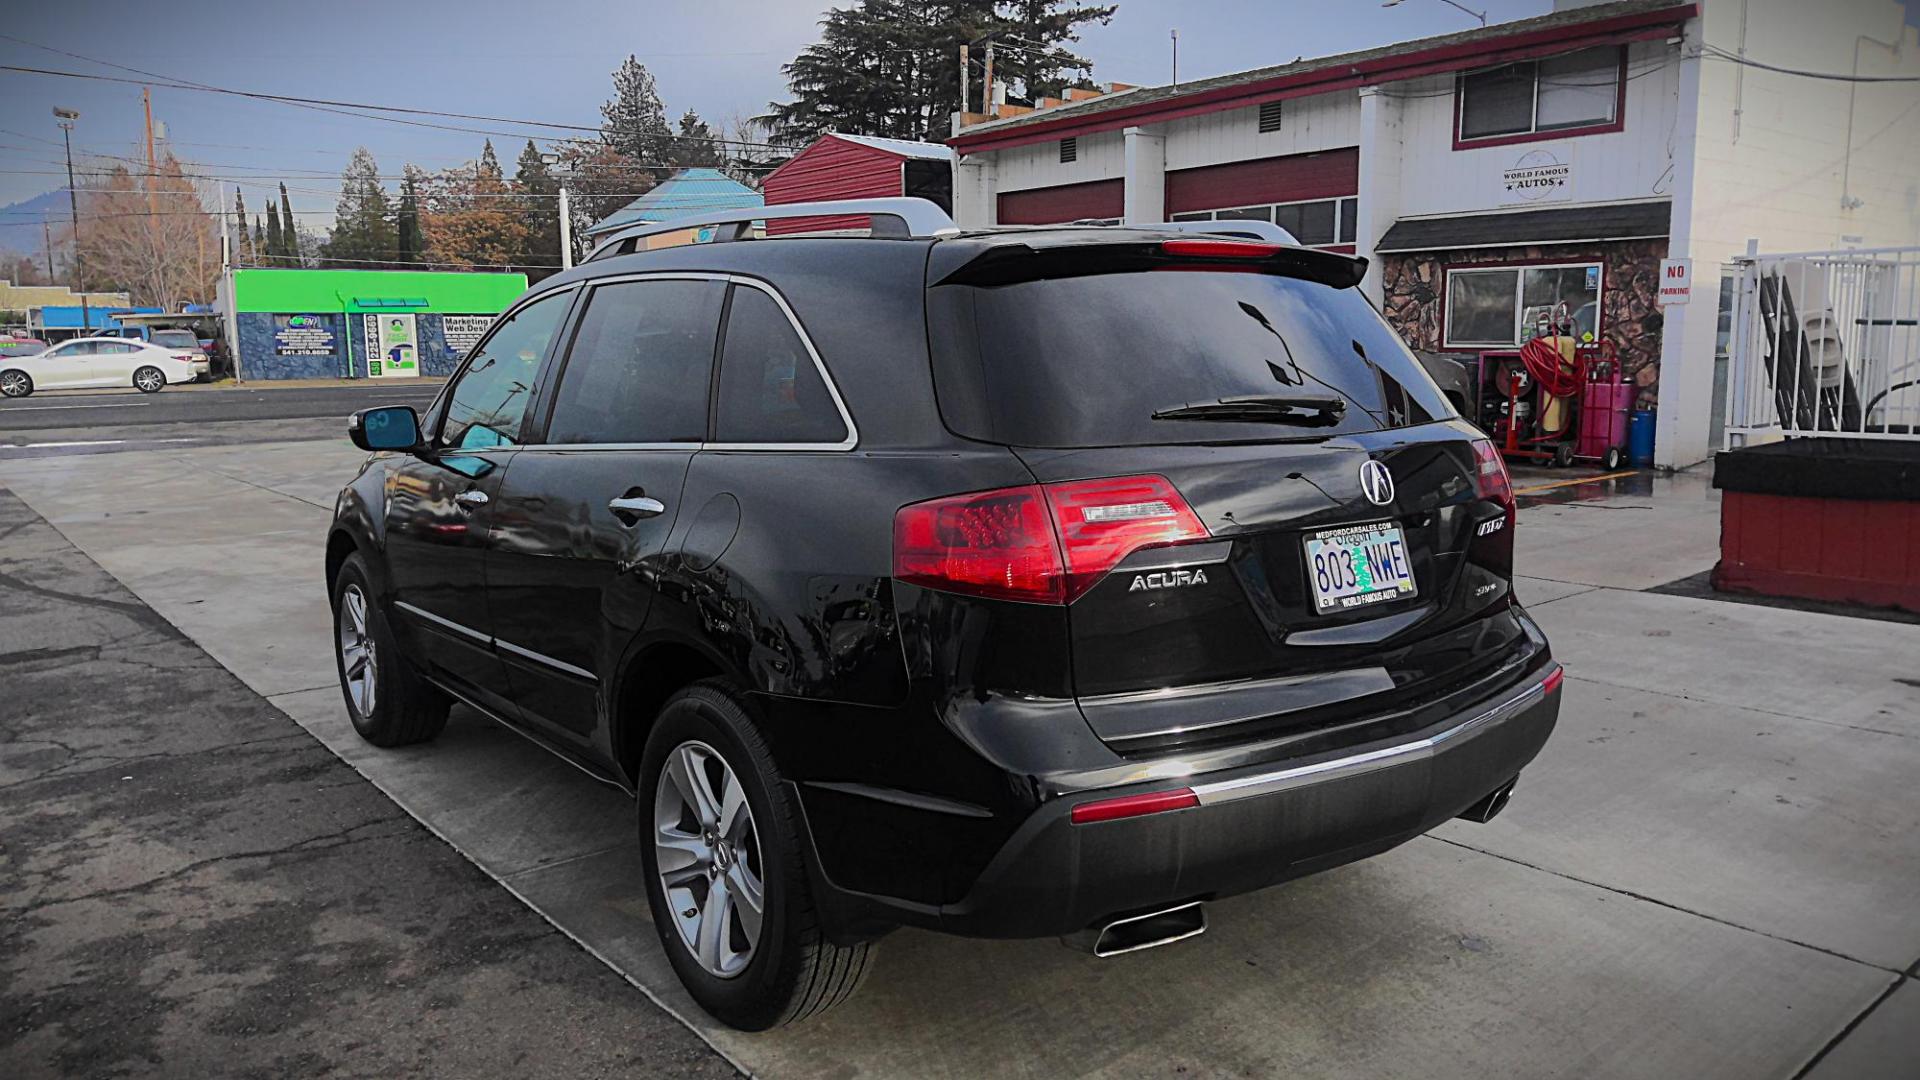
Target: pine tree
[407, 219]
[634, 120]
[289, 236]
[276, 245]
[362, 232]
[260, 253]
[891, 67]
[242, 253]
[696, 146]
[540, 208]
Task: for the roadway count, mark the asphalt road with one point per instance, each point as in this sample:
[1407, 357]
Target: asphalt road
[191, 885]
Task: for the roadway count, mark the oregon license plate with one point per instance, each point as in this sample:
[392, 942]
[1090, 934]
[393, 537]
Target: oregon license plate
[1358, 565]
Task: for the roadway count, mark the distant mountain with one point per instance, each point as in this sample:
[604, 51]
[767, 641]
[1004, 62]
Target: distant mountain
[20, 231]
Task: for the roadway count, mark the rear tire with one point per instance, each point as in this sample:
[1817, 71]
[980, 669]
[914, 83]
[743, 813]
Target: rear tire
[784, 970]
[1614, 458]
[389, 703]
[149, 379]
[15, 383]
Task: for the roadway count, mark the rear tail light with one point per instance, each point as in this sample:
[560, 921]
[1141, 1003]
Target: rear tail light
[1158, 802]
[1553, 679]
[188, 357]
[1490, 479]
[1041, 543]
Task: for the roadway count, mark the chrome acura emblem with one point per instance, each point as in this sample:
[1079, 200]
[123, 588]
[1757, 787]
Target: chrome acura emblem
[1377, 482]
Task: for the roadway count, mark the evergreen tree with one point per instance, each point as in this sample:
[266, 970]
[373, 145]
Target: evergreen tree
[363, 232]
[540, 209]
[260, 253]
[407, 219]
[289, 236]
[891, 67]
[276, 244]
[696, 146]
[634, 122]
[242, 241]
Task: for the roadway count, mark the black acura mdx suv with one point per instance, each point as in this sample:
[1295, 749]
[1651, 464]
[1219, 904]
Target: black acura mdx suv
[1010, 583]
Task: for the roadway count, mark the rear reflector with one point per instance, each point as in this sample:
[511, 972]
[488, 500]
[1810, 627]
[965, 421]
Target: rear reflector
[1553, 679]
[1220, 249]
[1041, 543]
[1134, 806]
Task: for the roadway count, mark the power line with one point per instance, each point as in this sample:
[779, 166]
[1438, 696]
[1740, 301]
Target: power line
[1714, 52]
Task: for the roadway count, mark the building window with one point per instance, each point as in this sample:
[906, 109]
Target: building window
[1561, 95]
[1498, 307]
[1069, 150]
[1319, 223]
[1270, 116]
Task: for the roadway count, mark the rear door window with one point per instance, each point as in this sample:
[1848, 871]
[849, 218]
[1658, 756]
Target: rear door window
[1087, 361]
[640, 366]
[771, 391]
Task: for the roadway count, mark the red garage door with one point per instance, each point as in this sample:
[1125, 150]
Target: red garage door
[1069, 202]
[1329, 174]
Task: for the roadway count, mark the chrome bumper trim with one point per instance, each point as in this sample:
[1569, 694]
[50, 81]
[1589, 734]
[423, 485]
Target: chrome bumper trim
[1267, 783]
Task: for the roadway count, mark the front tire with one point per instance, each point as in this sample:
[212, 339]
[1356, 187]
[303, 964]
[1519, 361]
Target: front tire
[720, 841]
[389, 703]
[149, 379]
[15, 383]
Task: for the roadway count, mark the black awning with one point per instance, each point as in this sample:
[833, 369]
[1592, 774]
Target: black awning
[1562, 225]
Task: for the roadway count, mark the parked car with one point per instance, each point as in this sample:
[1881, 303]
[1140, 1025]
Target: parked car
[20, 345]
[100, 361]
[999, 583]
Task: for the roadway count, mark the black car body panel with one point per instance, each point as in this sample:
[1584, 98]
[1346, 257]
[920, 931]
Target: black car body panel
[936, 739]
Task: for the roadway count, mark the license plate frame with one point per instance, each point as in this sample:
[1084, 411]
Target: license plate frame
[1355, 558]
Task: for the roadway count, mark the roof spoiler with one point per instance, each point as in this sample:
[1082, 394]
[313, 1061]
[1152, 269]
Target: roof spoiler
[1012, 264]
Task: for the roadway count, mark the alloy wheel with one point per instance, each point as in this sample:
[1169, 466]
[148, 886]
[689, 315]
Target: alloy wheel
[707, 853]
[357, 658]
[14, 384]
[149, 379]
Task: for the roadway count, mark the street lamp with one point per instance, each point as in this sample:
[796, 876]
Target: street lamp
[1481, 15]
[65, 118]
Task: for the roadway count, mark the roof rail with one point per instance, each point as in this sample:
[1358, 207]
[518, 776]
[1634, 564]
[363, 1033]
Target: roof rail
[1253, 230]
[898, 218]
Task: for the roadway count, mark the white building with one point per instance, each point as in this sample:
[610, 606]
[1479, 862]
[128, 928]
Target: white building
[1492, 172]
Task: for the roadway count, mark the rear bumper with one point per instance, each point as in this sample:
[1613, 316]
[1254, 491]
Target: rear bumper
[1253, 827]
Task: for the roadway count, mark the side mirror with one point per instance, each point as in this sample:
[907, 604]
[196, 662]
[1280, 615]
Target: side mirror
[389, 427]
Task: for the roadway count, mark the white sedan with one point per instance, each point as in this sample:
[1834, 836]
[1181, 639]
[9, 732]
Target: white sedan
[101, 361]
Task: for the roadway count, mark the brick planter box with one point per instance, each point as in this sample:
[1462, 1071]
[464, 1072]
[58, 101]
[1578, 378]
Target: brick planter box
[1822, 519]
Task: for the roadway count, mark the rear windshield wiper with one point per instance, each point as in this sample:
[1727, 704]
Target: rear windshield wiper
[1303, 411]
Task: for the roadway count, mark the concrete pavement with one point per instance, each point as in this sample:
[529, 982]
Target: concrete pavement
[1712, 870]
[190, 885]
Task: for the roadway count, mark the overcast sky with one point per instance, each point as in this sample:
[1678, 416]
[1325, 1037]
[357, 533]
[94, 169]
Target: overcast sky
[548, 61]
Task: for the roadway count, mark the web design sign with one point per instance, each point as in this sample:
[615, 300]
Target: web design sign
[301, 335]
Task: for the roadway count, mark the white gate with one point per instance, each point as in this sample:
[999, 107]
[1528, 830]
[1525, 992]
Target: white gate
[1825, 344]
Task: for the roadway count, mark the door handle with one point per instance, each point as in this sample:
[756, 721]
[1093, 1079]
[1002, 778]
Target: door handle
[631, 508]
[468, 500]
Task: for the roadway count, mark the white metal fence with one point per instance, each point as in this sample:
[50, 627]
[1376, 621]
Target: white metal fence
[1826, 344]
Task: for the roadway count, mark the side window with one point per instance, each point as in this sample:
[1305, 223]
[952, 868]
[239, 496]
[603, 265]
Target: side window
[640, 365]
[115, 348]
[490, 400]
[72, 350]
[770, 390]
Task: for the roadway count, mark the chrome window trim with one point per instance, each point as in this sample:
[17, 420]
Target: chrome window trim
[852, 439]
[440, 620]
[1268, 783]
[543, 658]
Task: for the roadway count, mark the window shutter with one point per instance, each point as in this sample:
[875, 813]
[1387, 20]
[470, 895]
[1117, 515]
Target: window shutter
[1270, 116]
[1069, 150]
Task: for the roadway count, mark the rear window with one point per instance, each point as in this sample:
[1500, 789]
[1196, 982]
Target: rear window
[175, 339]
[1087, 361]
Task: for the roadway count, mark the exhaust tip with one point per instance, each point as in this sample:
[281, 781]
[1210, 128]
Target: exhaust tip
[1491, 803]
[1133, 933]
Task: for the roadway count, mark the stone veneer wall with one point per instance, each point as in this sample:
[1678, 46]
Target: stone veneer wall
[1630, 313]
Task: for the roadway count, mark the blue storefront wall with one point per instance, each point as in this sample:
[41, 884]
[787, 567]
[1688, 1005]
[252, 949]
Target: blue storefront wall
[349, 333]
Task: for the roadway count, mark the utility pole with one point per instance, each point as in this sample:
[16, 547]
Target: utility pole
[986, 103]
[46, 230]
[1176, 56]
[153, 167]
[232, 312]
[965, 69]
[566, 230]
[66, 117]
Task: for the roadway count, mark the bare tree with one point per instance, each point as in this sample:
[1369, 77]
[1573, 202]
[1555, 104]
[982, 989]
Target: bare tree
[153, 236]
